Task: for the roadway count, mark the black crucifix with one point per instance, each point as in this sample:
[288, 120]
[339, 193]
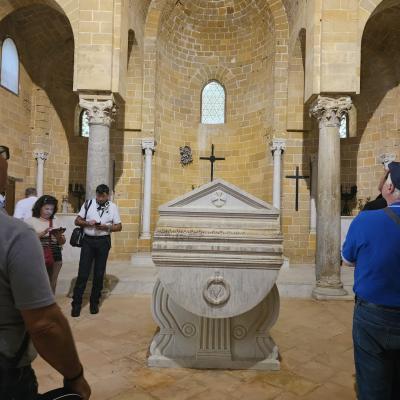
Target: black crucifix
[212, 160]
[297, 177]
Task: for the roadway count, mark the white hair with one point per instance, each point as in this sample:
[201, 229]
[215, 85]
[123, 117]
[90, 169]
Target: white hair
[396, 192]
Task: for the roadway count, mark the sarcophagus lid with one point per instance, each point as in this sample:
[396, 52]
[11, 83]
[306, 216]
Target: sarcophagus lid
[219, 250]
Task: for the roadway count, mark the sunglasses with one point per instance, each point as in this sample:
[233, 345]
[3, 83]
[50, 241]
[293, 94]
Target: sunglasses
[4, 152]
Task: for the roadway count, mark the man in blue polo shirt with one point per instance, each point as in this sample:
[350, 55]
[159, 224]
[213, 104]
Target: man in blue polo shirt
[373, 246]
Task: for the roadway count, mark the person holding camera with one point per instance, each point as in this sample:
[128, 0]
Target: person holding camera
[99, 217]
[50, 234]
[29, 313]
[373, 245]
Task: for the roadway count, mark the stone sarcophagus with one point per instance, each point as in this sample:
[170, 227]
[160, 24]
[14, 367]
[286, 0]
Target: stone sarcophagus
[219, 252]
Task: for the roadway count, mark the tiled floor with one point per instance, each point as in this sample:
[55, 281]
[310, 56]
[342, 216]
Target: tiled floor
[314, 339]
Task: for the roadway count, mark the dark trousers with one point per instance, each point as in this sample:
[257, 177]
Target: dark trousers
[376, 338]
[18, 384]
[95, 249]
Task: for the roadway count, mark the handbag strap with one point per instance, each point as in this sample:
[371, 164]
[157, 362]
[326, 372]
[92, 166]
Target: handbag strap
[392, 215]
[87, 206]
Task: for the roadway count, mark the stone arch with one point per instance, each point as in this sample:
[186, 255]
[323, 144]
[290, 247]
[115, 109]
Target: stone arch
[46, 85]
[378, 119]
[276, 6]
[69, 8]
[281, 28]
[368, 10]
[207, 73]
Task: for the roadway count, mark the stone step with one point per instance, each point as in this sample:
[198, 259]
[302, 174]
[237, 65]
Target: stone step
[295, 281]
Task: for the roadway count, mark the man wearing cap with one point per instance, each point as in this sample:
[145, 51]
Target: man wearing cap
[373, 246]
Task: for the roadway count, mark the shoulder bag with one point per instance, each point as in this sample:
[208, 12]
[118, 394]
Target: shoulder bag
[48, 253]
[77, 233]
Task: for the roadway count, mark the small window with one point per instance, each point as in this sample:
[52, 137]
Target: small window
[344, 126]
[84, 123]
[213, 103]
[9, 66]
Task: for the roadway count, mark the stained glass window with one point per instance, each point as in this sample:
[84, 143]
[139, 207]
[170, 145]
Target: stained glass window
[84, 124]
[213, 103]
[344, 127]
[9, 66]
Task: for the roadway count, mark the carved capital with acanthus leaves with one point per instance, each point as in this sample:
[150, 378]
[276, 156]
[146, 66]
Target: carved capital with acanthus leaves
[278, 145]
[329, 111]
[99, 112]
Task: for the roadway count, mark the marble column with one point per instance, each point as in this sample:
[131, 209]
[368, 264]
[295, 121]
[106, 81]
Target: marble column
[41, 157]
[101, 114]
[277, 148]
[148, 147]
[329, 111]
[313, 197]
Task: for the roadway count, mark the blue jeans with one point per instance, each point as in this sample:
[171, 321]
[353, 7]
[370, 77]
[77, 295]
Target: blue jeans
[376, 339]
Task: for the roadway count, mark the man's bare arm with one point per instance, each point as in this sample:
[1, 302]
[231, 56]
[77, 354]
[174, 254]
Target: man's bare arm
[52, 337]
[116, 227]
[79, 221]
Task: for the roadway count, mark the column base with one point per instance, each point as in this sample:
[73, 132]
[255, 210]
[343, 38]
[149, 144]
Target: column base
[330, 293]
[144, 245]
[159, 361]
[145, 236]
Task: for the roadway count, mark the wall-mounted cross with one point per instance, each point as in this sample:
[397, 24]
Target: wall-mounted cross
[297, 177]
[212, 160]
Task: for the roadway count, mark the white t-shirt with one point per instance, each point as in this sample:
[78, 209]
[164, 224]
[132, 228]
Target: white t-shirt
[24, 283]
[23, 208]
[107, 215]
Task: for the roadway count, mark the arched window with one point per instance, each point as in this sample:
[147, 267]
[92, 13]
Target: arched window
[9, 66]
[213, 103]
[84, 123]
[344, 127]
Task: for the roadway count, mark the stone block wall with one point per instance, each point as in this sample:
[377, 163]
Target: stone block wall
[299, 243]
[378, 116]
[156, 56]
[15, 130]
[199, 42]
[42, 116]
